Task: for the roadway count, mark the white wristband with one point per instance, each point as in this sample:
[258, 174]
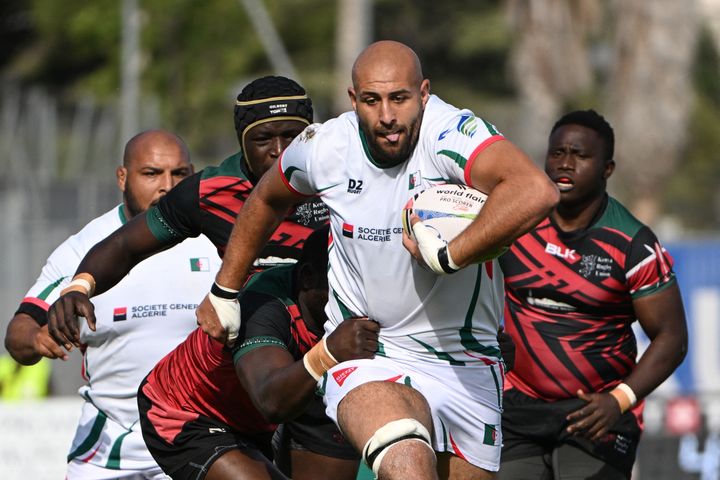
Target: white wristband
[228, 312]
[625, 388]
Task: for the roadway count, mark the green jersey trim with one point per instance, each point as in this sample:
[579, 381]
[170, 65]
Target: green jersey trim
[159, 227]
[92, 438]
[617, 217]
[48, 290]
[121, 214]
[654, 288]
[366, 149]
[251, 344]
[455, 157]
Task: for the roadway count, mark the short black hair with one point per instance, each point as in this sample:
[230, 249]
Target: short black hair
[285, 98]
[594, 121]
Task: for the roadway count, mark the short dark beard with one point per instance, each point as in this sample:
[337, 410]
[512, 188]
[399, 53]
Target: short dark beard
[385, 159]
[131, 202]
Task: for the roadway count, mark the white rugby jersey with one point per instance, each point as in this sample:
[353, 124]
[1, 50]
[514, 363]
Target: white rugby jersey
[138, 322]
[422, 315]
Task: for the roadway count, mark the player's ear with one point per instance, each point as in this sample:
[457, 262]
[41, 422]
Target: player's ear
[353, 98]
[121, 175]
[609, 169]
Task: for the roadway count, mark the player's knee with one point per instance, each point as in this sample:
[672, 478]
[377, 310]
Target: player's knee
[391, 434]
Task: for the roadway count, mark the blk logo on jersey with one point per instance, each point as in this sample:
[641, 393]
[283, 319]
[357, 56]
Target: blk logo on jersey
[558, 251]
[119, 314]
[355, 186]
[348, 230]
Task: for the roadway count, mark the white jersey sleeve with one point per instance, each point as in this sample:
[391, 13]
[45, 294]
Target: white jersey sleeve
[452, 138]
[295, 164]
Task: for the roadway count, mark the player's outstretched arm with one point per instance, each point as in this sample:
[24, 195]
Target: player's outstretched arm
[281, 387]
[261, 214]
[662, 317]
[27, 341]
[520, 195]
[102, 268]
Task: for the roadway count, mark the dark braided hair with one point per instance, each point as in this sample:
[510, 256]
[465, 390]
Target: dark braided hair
[594, 121]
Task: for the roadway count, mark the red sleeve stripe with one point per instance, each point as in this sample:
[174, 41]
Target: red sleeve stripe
[36, 301]
[486, 143]
[287, 182]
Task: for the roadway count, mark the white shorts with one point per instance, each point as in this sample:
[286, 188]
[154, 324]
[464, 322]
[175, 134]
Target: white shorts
[78, 470]
[104, 449]
[466, 401]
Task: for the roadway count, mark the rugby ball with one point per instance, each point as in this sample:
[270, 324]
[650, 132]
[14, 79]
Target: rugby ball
[447, 209]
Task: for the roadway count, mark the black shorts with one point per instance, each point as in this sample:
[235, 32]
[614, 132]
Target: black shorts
[199, 443]
[314, 431]
[533, 427]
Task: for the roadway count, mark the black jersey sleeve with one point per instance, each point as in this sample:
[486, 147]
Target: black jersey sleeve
[178, 215]
[649, 265]
[265, 321]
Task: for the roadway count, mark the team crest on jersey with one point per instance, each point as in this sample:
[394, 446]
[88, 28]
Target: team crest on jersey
[593, 265]
[304, 214]
[308, 133]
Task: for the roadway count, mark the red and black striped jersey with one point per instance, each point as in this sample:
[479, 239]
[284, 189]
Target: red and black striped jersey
[198, 377]
[208, 202]
[568, 302]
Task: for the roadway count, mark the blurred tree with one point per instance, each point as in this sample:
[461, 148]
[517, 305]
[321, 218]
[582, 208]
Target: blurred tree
[550, 61]
[648, 96]
[692, 196]
[519, 63]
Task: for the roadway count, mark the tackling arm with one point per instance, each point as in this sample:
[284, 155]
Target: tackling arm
[259, 217]
[107, 262]
[281, 387]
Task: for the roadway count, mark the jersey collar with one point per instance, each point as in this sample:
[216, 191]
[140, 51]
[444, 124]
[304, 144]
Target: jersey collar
[369, 156]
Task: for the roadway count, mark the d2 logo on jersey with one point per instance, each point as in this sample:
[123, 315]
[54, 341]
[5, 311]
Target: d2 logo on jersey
[354, 186]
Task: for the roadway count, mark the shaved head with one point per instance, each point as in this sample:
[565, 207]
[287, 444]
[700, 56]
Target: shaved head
[387, 60]
[389, 95]
[154, 162]
[158, 139]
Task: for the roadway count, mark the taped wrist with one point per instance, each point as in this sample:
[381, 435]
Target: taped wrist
[83, 283]
[434, 250]
[319, 360]
[224, 301]
[625, 397]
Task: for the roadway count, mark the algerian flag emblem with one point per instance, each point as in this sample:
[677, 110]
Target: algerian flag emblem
[200, 264]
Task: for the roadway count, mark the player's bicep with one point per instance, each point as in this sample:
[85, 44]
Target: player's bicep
[662, 312]
[256, 367]
[497, 162]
